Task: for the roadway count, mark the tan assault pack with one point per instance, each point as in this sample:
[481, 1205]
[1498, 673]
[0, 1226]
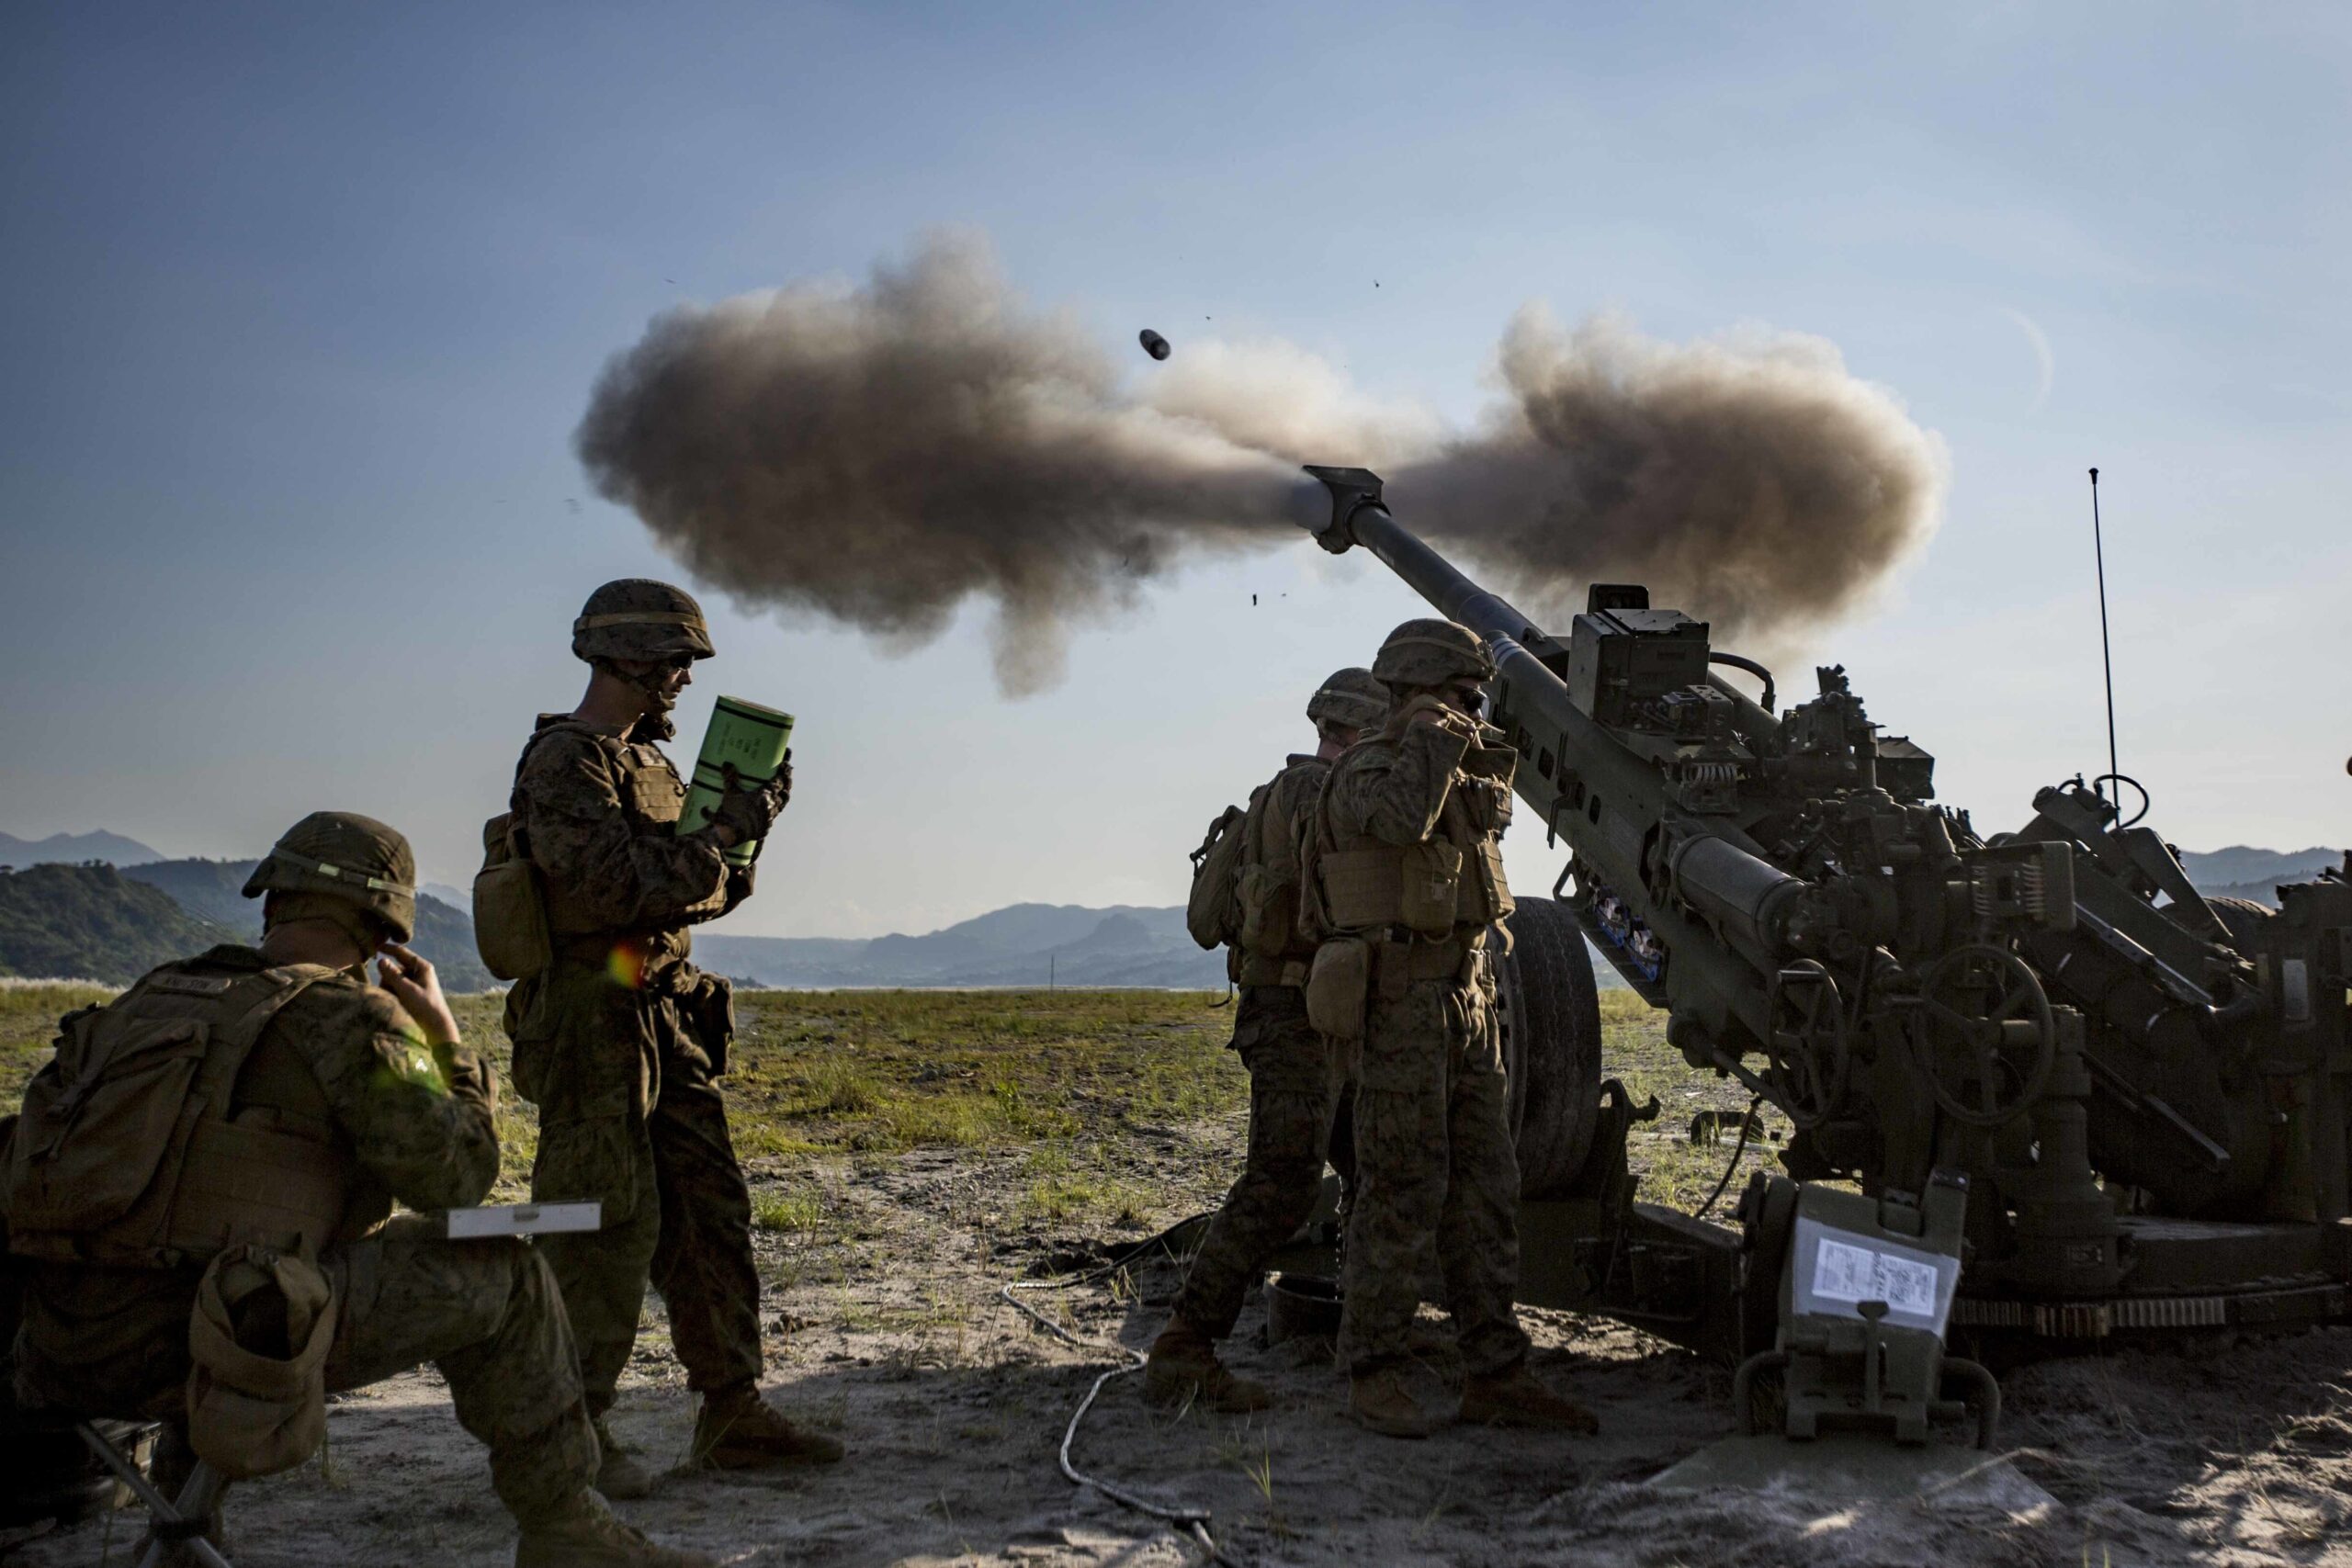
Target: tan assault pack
[510, 906]
[1269, 889]
[511, 928]
[1212, 910]
[125, 1154]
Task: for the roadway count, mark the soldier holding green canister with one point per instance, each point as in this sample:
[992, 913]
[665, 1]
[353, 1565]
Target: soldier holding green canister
[1404, 879]
[619, 1039]
[1294, 1082]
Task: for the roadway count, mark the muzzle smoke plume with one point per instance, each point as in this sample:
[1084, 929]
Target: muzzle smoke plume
[880, 454]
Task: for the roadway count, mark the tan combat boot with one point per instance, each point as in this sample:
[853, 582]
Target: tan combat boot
[620, 1474]
[1182, 1369]
[1519, 1398]
[1397, 1400]
[585, 1534]
[739, 1430]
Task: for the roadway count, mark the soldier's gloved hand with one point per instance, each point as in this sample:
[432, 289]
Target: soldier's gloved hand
[1429, 708]
[747, 812]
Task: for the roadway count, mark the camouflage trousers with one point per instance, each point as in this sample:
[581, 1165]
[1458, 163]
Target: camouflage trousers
[487, 1313]
[1433, 1163]
[677, 1210]
[115, 1341]
[1293, 1091]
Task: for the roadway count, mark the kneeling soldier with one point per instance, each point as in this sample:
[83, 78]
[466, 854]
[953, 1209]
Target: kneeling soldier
[201, 1180]
[1294, 1087]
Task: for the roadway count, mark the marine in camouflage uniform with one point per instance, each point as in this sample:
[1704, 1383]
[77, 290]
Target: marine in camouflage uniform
[620, 1040]
[381, 1101]
[1407, 859]
[1294, 1081]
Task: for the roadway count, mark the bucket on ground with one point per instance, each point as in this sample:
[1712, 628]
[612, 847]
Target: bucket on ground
[752, 737]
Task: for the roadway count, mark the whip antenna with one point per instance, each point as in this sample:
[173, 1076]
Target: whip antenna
[2107, 657]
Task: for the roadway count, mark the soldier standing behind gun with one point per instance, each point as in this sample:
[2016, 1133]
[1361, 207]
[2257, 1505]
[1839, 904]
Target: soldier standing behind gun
[1405, 874]
[1294, 1083]
[618, 1040]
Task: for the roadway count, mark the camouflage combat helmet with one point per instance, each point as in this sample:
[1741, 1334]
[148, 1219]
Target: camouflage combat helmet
[1352, 698]
[640, 620]
[1432, 653]
[341, 854]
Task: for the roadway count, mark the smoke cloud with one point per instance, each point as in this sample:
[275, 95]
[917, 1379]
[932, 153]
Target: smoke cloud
[1749, 479]
[881, 454]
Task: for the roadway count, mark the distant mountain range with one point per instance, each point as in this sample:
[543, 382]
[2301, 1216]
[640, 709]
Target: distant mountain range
[210, 889]
[72, 849]
[1025, 944]
[2239, 871]
[59, 917]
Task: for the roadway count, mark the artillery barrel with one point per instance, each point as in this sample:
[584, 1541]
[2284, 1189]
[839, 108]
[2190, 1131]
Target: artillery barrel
[1610, 817]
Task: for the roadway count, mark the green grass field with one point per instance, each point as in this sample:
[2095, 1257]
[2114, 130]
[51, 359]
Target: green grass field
[1065, 1080]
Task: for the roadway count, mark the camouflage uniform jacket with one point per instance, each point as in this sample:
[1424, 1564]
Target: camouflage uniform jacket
[597, 806]
[416, 1121]
[1411, 783]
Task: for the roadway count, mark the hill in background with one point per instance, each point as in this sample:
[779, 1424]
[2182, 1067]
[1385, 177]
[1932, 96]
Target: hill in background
[1022, 945]
[93, 922]
[2240, 872]
[209, 890]
[73, 849]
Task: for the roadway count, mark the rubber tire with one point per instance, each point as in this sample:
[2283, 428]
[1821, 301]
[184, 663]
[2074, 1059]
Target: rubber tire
[2243, 919]
[1551, 1018]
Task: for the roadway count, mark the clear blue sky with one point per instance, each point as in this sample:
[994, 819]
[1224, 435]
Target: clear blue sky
[298, 306]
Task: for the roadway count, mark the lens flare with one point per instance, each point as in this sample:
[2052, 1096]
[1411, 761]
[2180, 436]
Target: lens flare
[625, 965]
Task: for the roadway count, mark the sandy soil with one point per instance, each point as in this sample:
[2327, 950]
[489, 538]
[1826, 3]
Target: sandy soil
[886, 1327]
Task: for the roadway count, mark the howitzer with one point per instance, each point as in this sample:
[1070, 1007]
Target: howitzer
[2141, 1092]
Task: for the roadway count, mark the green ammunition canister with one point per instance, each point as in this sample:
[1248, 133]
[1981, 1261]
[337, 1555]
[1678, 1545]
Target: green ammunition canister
[752, 737]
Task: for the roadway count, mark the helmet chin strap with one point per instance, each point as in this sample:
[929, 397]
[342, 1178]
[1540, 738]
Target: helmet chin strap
[656, 719]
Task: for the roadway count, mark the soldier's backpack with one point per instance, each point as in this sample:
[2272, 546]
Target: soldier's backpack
[1213, 913]
[126, 1155]
[1267, 884]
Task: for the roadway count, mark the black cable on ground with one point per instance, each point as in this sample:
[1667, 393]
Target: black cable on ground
[1193, 1521]
[1738, 1149]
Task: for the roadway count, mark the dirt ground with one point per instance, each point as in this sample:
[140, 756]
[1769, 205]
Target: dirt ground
[886, 1327]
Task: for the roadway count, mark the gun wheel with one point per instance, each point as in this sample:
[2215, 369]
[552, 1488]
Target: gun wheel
[1987, 1034]
[1805, 1054]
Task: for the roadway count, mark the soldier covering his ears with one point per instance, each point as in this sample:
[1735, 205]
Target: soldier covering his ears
[1404, 879]
[619, 1040]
